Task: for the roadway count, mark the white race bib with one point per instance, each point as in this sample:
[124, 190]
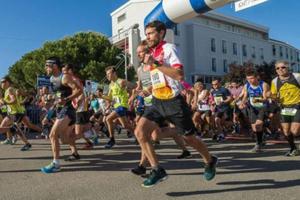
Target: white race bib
[158, 79]
[218, 100]
[256, 104]
[289, 111]
[203, 107]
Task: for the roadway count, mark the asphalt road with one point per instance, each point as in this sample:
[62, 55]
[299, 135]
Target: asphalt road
[104, 174]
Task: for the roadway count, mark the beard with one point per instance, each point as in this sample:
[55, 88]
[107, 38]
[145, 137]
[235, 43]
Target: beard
[153, 43]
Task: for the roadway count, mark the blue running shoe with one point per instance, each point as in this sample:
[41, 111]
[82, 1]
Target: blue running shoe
[156, 176]
[210, 169]
[51, 168]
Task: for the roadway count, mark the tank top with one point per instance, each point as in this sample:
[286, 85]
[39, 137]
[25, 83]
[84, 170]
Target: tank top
[14, 108]
[255, 92]
[61, 91]
[118, 94]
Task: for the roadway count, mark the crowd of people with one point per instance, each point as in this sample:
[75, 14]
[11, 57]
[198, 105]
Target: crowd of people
[160, 105]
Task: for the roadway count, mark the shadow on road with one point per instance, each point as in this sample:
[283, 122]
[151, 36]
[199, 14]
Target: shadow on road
[250, 185]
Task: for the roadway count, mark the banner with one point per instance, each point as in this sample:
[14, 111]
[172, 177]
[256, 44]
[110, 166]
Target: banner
[43, 81]
[243, 4]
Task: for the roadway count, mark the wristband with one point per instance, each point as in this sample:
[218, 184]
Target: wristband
[156, 64]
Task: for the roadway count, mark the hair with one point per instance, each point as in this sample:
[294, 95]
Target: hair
[69, 67]
[6, 78]
[251, 73]
[100, 90]
[282, 62]
[54, 60]
[112, 67]
[216, 79]
[144, 44]
[158, 25]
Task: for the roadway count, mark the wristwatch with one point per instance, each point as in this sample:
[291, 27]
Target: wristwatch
[156, 64]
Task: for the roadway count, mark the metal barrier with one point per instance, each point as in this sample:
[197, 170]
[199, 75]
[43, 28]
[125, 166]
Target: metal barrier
[34, 113]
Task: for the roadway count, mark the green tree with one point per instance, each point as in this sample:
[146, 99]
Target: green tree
[89, 52]
[238, 72]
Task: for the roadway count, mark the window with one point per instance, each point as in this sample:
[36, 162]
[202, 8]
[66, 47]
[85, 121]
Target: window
[244, 47]
[291, 53]
[253, 52]
[262, 53]
[274, 50]
[213, 44]
[214, 64]
[298, 58]
[224, 47]
[286, 53]
[121, 18]
[234, 48]
[120, 30]
[225, 66]
[280, 51]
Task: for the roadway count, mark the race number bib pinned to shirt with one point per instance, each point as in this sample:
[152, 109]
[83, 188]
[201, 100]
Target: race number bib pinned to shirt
[158, 79]
[218, 100]
[289, 111]
[117, 100]
[256, 102]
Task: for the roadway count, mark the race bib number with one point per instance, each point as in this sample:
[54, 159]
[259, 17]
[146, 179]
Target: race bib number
[218, 100]
[256, 104]
[203, 107]
[117, 100]
[289, 111]
[158, 79]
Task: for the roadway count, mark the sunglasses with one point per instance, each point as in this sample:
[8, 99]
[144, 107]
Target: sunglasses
[277, 68]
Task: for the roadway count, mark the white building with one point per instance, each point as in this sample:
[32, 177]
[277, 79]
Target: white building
[207, 44]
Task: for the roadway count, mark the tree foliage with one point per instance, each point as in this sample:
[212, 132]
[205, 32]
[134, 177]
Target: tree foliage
[89, 52]
[237, 72]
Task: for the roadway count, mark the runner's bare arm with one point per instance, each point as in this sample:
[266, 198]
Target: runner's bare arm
[174, 73]
[74, 85]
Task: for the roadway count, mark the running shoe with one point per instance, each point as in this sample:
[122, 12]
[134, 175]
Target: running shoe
[257, 148]
[51, 168]
[7, 141]
[210, 169]
[110, 144]
[14, 139]
[292, 153]
[139, 170]
[184, 154]
[73, 157]
[26, 147]
[156, 176]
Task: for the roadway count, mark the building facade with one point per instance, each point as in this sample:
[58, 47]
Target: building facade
[207, 44]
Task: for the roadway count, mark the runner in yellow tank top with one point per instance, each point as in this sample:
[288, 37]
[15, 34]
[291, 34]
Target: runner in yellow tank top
[286, 90]
[119, 97]
[10, 122]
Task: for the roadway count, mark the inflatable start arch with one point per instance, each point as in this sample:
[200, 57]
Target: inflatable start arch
[172, 12]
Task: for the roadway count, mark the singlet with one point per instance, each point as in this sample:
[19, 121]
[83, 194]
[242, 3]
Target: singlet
[288, 90]
[14, 108]
[255, 92]
[119, 95]
[145, 78]
[80, 103]
[203, 105]
[163, 86]
[61, 91]
[22, 107]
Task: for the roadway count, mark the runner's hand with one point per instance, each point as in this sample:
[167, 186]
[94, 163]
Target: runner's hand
[148, 59]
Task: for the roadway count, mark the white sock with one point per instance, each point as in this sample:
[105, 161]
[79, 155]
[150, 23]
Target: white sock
[56, 162]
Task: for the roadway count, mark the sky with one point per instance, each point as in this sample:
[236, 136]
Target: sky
[26, 24]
